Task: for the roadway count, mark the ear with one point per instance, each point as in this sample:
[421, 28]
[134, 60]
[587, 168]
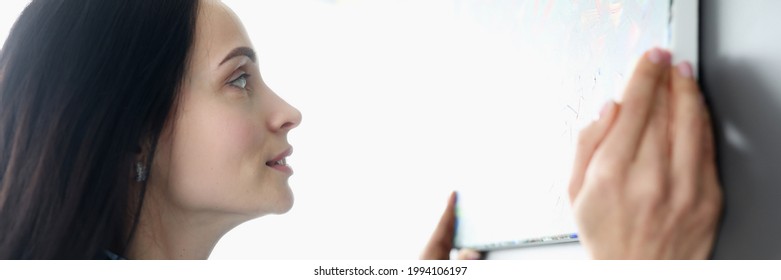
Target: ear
[143, 149]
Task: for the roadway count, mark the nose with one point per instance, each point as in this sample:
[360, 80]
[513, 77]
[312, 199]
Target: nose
[285, 116]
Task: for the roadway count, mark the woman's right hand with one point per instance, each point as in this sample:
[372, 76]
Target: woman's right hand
[441, 242]
[644, 184]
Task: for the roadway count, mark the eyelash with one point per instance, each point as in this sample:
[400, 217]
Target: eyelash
[244, 76]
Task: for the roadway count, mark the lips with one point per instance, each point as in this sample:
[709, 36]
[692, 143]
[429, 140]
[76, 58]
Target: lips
[280, 161]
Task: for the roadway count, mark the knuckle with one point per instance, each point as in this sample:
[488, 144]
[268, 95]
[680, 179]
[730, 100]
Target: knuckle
[710, 206]
[709, 210]
[585, 136]
[653, 188]
[604, 181]
[632, 103]
[655, 198]
[686, 188]
[607, 173]
[571, 192]
[685, 203]
[685, 86]
[648, 70]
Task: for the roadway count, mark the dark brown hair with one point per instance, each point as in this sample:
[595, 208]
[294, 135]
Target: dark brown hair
[82, 83]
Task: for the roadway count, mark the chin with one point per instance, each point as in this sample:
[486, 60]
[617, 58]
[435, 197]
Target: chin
[284, 203]
[275, 199]
[285, 208]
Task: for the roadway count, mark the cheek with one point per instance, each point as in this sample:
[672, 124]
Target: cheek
[215, 155]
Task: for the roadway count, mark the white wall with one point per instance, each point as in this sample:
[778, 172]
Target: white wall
[9, 11]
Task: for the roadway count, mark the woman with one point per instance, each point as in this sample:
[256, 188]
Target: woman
[143, 130]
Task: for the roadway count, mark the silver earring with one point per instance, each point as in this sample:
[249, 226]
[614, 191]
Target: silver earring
[141, 172]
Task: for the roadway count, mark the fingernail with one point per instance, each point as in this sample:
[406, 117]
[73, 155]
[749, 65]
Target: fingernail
[606, 109]
[685, 69]
[657, 56]
[472, 255]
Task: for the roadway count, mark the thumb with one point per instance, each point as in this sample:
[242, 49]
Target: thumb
[441, 241]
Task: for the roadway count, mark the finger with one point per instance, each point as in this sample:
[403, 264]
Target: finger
[468, 254]
[709, 150]
[711, 191]
[711, 186]
[658, 127]
[441, 241]
[653, 155]
[712, 196]
[689, 145]
[589, 139]
[623, 140]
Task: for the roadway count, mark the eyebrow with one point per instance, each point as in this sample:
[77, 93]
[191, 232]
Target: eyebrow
[240, 51]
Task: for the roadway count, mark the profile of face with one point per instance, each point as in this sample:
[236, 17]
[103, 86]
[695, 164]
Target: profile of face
[225, 150]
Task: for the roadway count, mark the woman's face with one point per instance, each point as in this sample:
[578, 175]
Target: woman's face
[226, 150]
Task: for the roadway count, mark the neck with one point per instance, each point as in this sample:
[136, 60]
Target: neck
[166, 231]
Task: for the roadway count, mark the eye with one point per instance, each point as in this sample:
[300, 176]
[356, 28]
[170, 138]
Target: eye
[240, 81]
